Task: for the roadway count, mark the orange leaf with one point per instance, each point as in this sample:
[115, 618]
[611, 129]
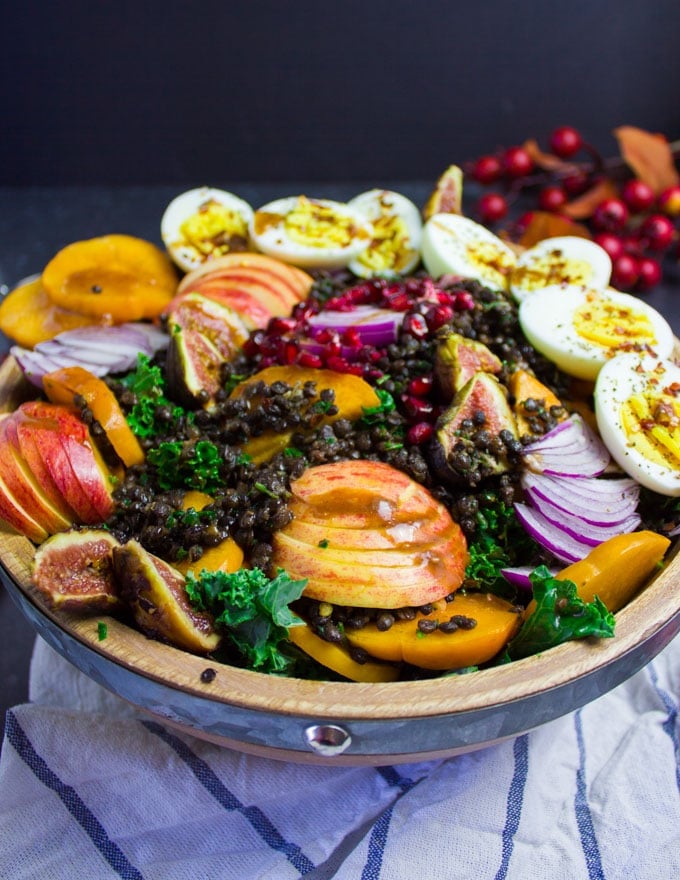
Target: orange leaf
[649, 156]
[548, 161]
[584, 206]
[543, 224]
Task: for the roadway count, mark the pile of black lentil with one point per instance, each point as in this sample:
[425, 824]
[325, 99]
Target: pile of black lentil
[249, 500]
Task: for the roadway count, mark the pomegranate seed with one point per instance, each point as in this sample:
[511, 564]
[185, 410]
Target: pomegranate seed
[517, 162]
[638, 195]
[464, 301]
[611, 215]
[438, 317]
[399, 302]
[650, 273]
[333, 347]
[487, 169]
[419, 433]
[669, 201]
[352, 338]
[280, 326]
[611, 243]
[565, 141]
[307, 359]
[337, 363]
[420, 386]
[289, 353]
[491, 208]
[416, 408]
[415, 325]
[552, 198]
[625, 272]
[657, 232]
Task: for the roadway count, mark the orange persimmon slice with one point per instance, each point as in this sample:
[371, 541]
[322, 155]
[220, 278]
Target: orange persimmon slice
[64, 385]
[28, 316]
[118, 276]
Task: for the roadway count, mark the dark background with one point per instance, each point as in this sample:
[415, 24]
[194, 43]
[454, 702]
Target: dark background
[207, 92]
[108, 110]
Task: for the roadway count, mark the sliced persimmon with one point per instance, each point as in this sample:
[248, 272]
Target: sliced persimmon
[28, 316]
[120, 277]
[64, 385]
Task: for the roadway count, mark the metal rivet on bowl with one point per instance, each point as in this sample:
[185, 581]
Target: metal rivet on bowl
[327, 739]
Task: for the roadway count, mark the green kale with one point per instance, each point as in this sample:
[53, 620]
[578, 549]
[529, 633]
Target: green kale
[375, 415]
[560, 615]
[187, 465]
[499, 542]
[146, 382]
[253, 610]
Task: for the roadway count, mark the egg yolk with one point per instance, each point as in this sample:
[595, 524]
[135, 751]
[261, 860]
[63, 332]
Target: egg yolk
[495, 263]
[651, 420]
[312, 224]
[389, 248]
[552, 268]
[612, 325]
[213, 230]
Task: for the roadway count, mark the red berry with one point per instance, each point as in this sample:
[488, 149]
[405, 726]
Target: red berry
[517, 162]
[491, 208]
[610, 243]
[552, 198]
[420, 386]
[669, 201]
[438, 316]
[625, 272]
[576, 183]
[657, 232]
[610, 215]
[487, 169]
[650, 273]
[565, 141]
[638, 195]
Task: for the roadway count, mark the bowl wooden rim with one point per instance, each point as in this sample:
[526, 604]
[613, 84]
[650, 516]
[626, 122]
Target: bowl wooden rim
[656, 608]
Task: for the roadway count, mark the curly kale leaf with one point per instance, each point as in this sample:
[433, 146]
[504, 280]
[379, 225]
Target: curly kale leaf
[187, 465]
[559, 616]
[252, 609]
[146, 382]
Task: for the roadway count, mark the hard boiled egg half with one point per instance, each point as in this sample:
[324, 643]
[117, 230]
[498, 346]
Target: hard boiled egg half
[453, 244]
[567, 259]
[581, 329]
[394, 248]
[310, 233]
[204, 223]
[637, 405]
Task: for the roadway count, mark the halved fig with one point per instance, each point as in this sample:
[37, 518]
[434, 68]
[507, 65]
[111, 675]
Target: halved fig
[457, 359]
[154, 591]
[73, 570]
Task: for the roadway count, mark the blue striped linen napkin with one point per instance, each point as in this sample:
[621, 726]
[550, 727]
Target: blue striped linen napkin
[90, 789]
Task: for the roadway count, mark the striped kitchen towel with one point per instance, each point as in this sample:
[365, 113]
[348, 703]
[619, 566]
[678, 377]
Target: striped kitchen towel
[91, 790]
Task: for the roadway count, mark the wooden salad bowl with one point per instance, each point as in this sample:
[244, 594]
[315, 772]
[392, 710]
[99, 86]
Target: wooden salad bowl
[341, 723]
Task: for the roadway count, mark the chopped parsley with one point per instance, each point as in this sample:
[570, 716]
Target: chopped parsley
[499, 542]
[102, 631]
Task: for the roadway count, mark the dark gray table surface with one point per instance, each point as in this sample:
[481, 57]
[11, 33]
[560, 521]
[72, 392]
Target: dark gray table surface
[35, 222]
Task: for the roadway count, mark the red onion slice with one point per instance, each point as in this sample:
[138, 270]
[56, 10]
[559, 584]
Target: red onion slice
[518, 576]
[564, 547]
[575, 526]
[583, 498]
[375, 326]
[572, 449]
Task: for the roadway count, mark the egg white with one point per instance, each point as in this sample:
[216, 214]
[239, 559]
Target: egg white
[453, 244]
[182, 208]
[566, 259]
[388, 253]
[547, 315]
[270, 233]
[620, 378]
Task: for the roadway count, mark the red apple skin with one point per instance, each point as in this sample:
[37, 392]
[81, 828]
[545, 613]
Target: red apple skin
[292, 282]
[93, 479]
[25, 488]
[18, 518]
[367, 502]
[23, 432]
[275, 300]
